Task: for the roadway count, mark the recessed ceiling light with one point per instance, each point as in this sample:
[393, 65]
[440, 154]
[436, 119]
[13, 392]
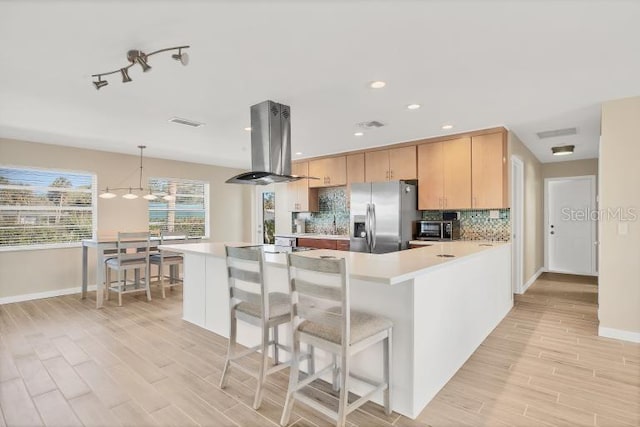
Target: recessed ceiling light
[447, 127]
[413, 106]
[299, 153]
[359, 133]
[378, 84]
[248, 128]
[563, 150]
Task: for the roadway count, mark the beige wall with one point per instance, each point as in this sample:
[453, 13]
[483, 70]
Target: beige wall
[32, 271]
[570, 168]
[619, 282]
[533, 206]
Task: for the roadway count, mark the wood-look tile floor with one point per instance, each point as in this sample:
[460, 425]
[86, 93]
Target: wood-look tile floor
[64, 363]
[545, 365]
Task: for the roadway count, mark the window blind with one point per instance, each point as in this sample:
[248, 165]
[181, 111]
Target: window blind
[187, 210]
[45, 207]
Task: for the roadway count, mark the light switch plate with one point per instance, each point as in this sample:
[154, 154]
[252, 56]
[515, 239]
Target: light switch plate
[494, 214]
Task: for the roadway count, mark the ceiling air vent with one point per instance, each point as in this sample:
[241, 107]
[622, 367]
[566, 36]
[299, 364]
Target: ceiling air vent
[186, 122]
[370, 125]
[556, 133]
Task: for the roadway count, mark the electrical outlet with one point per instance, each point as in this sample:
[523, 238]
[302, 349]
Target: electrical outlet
[494, 214]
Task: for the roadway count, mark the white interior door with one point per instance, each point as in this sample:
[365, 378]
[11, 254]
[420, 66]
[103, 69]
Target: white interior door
[570, 225]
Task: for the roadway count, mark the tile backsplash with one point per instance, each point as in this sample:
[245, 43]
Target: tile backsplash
[477, 225]
[333, 218]
[333, 215]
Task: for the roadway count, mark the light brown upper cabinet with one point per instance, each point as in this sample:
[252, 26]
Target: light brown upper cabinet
[391, 165]
[355, 168]
[444, 175]
[331, 171]
[300, 198]
[489, 171]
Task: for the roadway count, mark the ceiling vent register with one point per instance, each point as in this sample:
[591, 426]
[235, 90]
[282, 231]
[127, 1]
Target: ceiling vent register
[556, 133]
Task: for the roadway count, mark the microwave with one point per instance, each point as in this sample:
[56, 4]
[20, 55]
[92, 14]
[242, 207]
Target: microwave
[437, 230]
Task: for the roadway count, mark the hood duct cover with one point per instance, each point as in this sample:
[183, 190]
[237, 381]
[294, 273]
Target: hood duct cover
[270, 146]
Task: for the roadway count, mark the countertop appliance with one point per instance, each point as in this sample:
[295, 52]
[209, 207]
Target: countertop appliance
[438, 230]
[382, 216]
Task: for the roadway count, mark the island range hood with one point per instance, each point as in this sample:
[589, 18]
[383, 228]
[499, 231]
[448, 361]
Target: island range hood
[270, 146]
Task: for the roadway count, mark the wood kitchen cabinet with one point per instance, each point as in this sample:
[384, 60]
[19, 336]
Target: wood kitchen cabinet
[355, 168]
[300, 197]
[331, 171]
[306, 242]
[335, 244]
[444, 175]
[391, 165]
[489, 171]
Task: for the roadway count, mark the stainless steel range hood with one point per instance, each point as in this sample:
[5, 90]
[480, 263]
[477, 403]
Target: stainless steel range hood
[270, 146]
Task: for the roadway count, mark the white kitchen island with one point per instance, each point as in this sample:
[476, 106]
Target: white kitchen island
[442, 307]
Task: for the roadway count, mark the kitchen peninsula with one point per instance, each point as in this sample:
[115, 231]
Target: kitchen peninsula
[442, 307]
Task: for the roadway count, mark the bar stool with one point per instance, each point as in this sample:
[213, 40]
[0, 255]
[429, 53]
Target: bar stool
[132, 254]
[321, 316]
[166, 258]
[250, 301]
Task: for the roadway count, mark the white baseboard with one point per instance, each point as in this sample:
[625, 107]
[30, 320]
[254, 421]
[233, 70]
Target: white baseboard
[619, 334]
[46, 294]
[532, 279]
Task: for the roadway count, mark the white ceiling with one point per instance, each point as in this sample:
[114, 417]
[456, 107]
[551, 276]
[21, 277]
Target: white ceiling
[530, 66]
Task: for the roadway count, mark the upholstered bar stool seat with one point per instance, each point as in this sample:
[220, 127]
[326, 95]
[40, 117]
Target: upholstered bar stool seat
[279, 306]
[363, 326]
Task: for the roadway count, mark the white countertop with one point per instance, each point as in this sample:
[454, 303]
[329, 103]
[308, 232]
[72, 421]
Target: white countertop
[315, 236]
[391, 268]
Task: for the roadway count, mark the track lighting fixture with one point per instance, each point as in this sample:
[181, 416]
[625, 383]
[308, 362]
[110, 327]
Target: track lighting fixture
[131, 195]
[140, 58]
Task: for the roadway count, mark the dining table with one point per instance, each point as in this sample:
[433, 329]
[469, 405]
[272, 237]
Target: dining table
[102, 244]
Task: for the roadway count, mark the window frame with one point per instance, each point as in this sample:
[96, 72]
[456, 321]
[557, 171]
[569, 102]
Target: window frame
[94, 209]
[207, 205]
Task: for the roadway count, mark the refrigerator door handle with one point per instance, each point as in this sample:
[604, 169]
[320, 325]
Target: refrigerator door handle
[373, 229]
[367, 226]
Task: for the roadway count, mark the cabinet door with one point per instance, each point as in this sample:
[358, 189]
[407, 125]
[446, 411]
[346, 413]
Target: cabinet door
[403, 163]
[294, 188]
[343, 245]
[457, 173]
[376, 166]
[488, 171]
[336, 171]
[331, 172]
[355, 168]
[318, 169]
[430, 176]
[317, 243]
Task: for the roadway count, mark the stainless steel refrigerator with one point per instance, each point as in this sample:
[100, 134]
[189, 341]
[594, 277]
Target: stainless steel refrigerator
[383, 216]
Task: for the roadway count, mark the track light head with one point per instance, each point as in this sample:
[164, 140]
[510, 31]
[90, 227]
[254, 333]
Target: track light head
[139, 57]
[125, 75]
[100, 83]
[182, 57]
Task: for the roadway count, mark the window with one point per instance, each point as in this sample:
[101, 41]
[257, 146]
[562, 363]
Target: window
[42, 208]
[187, 207]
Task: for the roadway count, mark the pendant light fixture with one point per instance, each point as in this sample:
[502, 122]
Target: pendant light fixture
[108, 193]
[138, 57]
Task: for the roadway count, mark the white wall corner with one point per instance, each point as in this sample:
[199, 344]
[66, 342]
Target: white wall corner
[46, 294]
[531, 280]
[619, 334]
